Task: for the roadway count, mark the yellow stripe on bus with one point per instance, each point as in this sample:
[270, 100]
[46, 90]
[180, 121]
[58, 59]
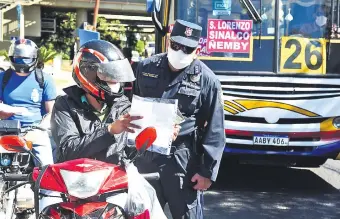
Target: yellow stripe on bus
[230, 110]
[233, 105]
[255, 104]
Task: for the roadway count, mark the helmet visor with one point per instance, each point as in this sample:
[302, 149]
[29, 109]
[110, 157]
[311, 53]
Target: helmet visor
[22, 60]
[119, 71]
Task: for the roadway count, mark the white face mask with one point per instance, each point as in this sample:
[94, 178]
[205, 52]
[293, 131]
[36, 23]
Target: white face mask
[114, 87]
[178, 59]
[321, 20]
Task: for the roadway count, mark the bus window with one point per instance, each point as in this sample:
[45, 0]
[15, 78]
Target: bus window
[304, 37]
[305, 28]
[310, 21]
[230, 34]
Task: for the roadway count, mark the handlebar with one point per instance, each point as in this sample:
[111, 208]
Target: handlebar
[40, 128]
[29, 128]
[151, 176]
[16, 177]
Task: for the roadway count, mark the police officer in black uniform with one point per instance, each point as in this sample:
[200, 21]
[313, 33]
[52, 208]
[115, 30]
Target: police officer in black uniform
[196, 151]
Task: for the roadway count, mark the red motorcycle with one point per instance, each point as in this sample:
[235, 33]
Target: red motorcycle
[89, 189]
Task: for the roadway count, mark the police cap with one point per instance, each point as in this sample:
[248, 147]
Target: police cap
[186, 33]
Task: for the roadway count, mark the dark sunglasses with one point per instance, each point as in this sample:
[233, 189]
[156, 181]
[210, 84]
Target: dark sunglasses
[176, 46]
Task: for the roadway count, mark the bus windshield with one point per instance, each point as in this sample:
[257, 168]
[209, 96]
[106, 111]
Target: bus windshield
[294, 40]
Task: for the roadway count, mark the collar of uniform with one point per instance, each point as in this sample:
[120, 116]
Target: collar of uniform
[194, 68]
[163, 62]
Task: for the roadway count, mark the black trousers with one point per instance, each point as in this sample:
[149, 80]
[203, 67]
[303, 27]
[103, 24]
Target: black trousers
[174, 186]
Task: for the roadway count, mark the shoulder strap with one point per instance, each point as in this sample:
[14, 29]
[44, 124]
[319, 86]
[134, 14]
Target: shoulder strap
[39, 76]
[5, 79]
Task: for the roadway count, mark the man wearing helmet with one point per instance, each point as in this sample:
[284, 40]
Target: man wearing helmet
[91, 120]
[24, 85]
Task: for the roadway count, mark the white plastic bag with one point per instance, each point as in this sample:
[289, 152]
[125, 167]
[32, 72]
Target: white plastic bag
[141, 196]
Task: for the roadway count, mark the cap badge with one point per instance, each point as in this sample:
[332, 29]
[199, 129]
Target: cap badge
[188, 32]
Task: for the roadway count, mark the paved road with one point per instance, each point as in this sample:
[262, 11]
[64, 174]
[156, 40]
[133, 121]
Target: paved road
[257, 192]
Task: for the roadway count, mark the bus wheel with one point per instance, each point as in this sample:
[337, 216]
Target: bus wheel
[311, 162]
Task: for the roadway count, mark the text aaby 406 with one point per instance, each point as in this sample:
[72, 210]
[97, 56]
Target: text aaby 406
[271, 140]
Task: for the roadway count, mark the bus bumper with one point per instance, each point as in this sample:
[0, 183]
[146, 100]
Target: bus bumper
[331, 150]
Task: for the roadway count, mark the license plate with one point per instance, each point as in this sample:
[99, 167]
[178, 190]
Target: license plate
[271, 140]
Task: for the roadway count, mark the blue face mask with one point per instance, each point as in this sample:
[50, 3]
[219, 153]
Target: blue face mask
[20, 60]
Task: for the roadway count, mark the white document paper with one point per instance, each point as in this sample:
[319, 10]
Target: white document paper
[158, 113]
[15, 109]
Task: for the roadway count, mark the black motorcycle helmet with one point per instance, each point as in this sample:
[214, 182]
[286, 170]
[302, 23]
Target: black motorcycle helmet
[23, 55]
[97, 65]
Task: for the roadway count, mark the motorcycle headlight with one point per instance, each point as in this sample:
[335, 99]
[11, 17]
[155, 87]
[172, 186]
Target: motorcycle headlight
[336, 122]
[84, 185]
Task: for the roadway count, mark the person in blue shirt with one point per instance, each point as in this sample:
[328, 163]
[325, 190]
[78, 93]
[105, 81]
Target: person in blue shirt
[26, 86]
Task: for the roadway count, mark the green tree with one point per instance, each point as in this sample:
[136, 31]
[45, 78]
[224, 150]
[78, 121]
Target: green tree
[140, 47]
[110, 30]
[62, 40]
[131, 36]
[5, 54]
[46, 55]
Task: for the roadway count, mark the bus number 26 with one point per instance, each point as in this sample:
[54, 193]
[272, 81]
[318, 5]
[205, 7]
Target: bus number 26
[305, 51]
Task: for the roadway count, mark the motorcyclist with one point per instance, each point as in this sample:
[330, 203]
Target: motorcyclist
[27, 87]
[91, 120]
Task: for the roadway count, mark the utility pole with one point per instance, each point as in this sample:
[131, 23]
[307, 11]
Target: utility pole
[21, 21]
[95, 14]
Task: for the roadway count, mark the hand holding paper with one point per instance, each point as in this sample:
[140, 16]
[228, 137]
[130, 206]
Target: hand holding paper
[177, 128]
[124, 123]
[159, 113]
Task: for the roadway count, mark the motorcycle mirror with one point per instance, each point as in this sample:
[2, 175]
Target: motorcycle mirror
[16, 143]
[145, 139]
